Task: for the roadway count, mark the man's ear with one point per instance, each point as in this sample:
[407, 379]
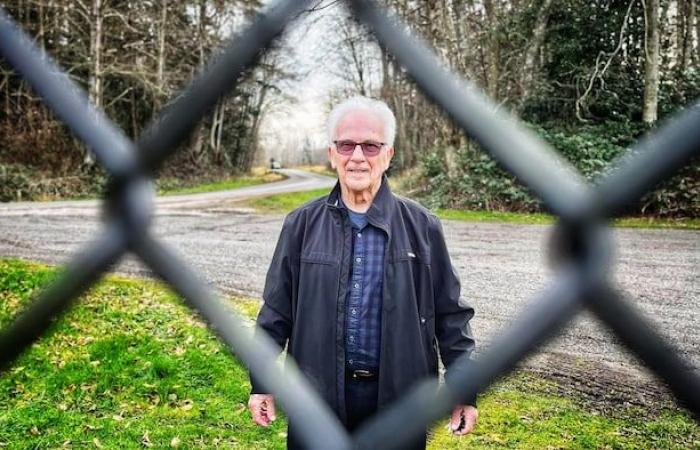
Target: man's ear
[390, 154]
[330, 157]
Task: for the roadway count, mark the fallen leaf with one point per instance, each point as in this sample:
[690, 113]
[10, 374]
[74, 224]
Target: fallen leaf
[145, 440]
[175, 442]
[187, 405]
[97, 443]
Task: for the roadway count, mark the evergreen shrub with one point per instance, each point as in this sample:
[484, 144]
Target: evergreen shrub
[479, 183]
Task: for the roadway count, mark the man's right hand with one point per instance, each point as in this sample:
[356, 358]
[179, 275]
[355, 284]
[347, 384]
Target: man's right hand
[262, 408]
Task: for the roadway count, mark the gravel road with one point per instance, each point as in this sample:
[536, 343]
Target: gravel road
[502, 267]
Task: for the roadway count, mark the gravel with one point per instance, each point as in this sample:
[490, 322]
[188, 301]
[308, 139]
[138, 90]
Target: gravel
[502, 268]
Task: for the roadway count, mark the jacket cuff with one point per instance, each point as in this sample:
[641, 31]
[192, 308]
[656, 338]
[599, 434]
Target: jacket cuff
[453, 374]
[256, 386]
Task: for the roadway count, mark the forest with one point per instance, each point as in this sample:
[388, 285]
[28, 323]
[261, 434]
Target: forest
[591, 77]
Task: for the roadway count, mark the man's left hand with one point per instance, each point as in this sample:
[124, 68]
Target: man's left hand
[463, 419]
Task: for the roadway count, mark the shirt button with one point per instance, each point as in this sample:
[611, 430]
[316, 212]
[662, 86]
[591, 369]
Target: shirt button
[357, 285]
[352, 338]
[358, 260]
[350, 361]
[359, 235]
[354, 311]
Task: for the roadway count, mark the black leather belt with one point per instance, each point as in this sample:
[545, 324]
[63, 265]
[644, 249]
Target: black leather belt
[363, 374]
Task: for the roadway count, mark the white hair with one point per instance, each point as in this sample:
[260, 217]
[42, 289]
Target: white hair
[359, 103]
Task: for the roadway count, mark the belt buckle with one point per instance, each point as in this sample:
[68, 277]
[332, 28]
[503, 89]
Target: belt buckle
[361, 373]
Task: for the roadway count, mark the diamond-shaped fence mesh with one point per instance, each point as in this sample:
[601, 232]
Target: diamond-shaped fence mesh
[582, 237]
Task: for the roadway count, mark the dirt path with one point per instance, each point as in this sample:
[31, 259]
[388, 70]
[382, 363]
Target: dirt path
[501, 266]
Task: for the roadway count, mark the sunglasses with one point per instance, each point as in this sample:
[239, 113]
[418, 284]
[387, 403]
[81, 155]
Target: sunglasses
[368, 148]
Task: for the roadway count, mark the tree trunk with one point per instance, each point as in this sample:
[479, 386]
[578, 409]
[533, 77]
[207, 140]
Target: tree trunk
[688, 35]
[651, 65]
[528, 70]
[160, 71]
[217, 124]
[694, 12]
[95, 78]
[492, 50]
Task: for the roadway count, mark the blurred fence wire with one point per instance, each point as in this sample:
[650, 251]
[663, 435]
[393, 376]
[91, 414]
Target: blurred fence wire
[581, 239]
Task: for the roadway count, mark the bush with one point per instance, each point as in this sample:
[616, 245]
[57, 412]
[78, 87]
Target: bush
[478, 182]
[15, 183]
[19, 183]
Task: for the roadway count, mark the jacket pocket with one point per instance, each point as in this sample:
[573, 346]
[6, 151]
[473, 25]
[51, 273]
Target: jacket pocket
[408, 254]
[319, 258]
[429, 342]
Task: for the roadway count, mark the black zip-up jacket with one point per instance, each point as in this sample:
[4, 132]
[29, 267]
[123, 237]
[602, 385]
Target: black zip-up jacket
[306, 287]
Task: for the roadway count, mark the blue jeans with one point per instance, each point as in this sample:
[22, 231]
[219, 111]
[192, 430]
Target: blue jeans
[360, 401]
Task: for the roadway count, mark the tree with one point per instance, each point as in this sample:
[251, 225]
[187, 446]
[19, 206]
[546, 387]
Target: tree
[131, 57]
[651, 63]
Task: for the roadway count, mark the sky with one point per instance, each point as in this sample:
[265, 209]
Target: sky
[292, 125]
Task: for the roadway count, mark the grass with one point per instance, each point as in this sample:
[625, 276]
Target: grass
[130, 367]
[172, 186]
[494, 216]
[320, 169]
[540, 219]
[284, 203]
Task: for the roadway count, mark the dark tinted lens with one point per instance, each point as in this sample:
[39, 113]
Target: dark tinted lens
[346, 147]
[368, 148]
[371, 148]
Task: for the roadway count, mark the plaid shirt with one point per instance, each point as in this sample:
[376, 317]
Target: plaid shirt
[364, 298]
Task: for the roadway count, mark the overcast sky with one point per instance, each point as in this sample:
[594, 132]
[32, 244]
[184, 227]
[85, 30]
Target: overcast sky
[291, 125]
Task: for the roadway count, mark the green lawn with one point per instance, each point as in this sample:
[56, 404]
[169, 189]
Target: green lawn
[130, 367]
[284, 203]
[539, 218]
[171, 186]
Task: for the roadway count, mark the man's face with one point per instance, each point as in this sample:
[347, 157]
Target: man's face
[357, 172]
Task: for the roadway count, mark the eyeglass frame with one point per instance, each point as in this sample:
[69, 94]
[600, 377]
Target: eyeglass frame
[362, 146]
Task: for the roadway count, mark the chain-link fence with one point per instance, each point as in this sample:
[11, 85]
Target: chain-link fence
[581, 244]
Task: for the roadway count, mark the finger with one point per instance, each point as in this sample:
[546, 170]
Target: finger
[259, 416]
[271, 410]
[455, 419]
[257, 410]
[469, 421]
[469, 424]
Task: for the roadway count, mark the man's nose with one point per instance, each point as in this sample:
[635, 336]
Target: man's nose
[358, 154]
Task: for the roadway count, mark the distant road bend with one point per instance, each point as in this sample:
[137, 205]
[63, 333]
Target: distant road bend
[502, 267]
[297, 180]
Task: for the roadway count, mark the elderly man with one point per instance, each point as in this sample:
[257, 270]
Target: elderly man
[361, 287]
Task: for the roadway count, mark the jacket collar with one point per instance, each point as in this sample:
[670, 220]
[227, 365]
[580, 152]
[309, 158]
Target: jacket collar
[379, 211]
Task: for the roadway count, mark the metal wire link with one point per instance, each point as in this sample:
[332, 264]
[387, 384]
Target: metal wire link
[580, 283]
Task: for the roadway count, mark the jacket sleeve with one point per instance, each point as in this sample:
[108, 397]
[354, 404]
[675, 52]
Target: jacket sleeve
[275, 317]
[452, 317]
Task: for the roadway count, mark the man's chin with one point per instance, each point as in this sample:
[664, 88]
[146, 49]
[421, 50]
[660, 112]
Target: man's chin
[357, 183]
